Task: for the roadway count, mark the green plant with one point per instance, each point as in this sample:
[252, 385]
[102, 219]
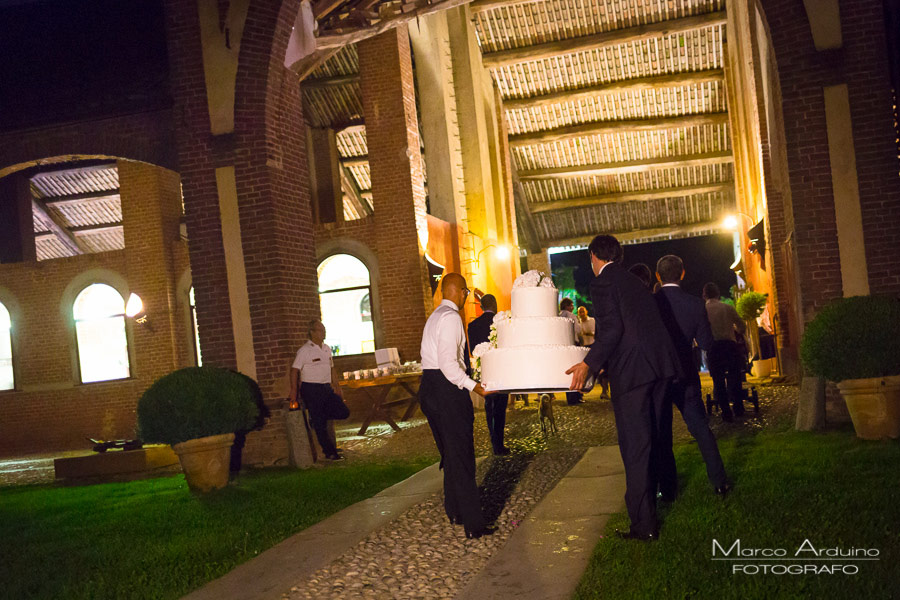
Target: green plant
[750, 305]
[196, 402]
[854, 338]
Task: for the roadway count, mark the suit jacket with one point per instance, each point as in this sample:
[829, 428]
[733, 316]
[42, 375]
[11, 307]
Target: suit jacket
[480, 329]
[631, 343]
[686, 319]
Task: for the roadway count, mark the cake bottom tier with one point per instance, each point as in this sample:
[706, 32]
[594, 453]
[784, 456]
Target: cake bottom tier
[529, 367]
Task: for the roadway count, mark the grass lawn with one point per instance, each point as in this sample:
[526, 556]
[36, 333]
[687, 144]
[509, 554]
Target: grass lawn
[829, 488]
[154, 539]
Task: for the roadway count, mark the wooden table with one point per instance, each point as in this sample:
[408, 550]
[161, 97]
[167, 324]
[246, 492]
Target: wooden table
[378, 389]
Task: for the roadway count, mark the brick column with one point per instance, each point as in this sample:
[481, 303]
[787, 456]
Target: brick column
[16, 224]
[151, 209]
[392, 134]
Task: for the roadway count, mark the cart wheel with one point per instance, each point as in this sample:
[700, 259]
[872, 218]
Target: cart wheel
[709, 406]
[754, 395]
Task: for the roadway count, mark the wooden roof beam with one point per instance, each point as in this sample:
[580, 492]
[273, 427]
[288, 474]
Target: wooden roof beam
[643, 235]
[608, 127]
[329, 82]
[617, 87]
[422, 8]
[57, 227]
[75, 199]
[355, 161]
[479, 6]
[630, 166]
[504, 58]
[673, 192]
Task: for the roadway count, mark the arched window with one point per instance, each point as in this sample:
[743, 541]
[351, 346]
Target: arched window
[100, 333]
[344, 296]
[194, 331]
[7, 380]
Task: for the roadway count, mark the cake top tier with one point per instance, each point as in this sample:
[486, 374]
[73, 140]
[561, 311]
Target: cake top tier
[533, 295]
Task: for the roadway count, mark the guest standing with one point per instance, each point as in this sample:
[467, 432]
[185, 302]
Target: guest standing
[685, 318]
[319, 387]
[633, 346]
[494, 404]
[724, 359]
[444, 398]
[565, 310]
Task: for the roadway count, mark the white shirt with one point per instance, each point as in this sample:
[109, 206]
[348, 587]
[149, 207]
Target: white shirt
[444, 344]
[314, 363]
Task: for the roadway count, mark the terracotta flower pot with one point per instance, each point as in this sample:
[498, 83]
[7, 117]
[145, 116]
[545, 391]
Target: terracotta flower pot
[874, 406]
[206, 461]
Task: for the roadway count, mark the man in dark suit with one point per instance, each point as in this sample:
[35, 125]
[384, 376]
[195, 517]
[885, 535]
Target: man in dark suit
[494, 404]
[685, 318]
[633, 346]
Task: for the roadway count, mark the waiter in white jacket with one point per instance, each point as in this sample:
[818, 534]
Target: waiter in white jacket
[444, 397]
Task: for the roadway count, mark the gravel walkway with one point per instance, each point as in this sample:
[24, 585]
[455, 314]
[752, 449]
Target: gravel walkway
[420, 555]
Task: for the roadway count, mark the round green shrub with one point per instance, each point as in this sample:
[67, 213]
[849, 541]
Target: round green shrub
[196, 402]
[750, 305]
[854, 338]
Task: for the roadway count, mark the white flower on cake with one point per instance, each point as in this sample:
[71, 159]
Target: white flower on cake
[501, 316]
[533, 278]
[480, 349]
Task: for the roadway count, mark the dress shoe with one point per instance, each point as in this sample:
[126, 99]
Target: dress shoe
[723, 490]
[474, 534]
[334, 456]
[641, 537]
[504, 451]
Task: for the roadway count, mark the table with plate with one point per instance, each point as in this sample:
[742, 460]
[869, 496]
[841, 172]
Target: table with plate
[377, 384]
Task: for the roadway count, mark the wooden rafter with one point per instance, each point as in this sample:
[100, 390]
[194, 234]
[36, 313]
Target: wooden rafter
[58, 228]
[348, 184]
[503, 58]
[309, 63]
[672, 192]
[606, 127]
[479, 6]
[642, 235]
[355, 161]
[630, 166]
[422, 8]
[328, 82]
[95, 228]
[616, 87]
[77, 199]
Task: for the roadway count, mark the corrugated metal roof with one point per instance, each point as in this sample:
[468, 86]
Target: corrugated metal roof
[77, 197]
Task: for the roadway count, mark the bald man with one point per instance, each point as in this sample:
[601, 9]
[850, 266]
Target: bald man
[444, 398]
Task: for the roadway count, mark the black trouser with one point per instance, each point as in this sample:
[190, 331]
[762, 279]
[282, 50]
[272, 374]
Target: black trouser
[323, 405]
[495, 414]
[725, 366]
[451, 418]
[687, 397]
[640, 415]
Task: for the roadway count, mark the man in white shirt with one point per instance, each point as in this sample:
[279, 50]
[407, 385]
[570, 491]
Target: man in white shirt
[444, 398]
[314, 370]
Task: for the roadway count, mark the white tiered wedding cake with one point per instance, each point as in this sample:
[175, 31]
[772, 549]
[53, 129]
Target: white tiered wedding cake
[531, 348]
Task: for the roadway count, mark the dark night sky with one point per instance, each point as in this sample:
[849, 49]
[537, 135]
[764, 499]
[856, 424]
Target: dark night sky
[706, 258]
[70, 59]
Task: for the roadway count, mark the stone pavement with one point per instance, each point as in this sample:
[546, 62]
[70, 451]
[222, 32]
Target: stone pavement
[543, 556]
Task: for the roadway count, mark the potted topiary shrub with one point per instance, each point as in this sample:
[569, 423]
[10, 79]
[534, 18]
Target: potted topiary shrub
[855, 342]
[197, 410]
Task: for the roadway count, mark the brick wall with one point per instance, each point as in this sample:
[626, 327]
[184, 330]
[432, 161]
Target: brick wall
[803, 72]
[51, 409]
[144, 136]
